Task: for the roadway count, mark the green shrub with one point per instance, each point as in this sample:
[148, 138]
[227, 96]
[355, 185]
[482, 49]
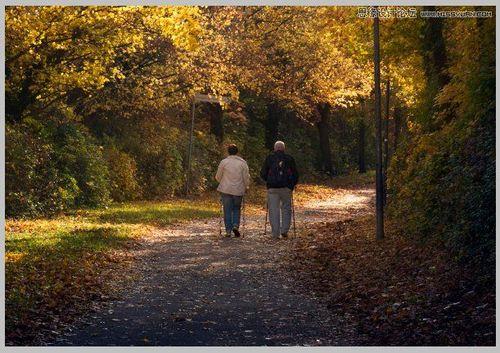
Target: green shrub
[122, 175]
[442, 187]
[52, 168]
[34, 185]
[158, 150]
[80, 156]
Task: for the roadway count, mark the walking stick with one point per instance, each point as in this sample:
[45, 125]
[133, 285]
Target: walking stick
[265, 224]
[221, 213]
[293, 215]
[243, 216]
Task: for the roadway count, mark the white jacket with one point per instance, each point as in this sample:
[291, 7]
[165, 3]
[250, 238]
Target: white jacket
[233, 176]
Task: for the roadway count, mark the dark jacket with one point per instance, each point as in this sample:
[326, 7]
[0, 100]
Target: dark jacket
[264, 172]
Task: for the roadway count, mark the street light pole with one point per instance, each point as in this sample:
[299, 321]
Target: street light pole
[386, 136]
[190, 148]
[378, 122]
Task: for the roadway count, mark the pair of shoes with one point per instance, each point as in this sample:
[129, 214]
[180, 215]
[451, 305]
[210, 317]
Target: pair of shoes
[237, 233]
[284, 235]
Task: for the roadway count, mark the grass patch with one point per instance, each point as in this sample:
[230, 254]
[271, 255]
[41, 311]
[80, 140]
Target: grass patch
[54, 266]
[156, 213]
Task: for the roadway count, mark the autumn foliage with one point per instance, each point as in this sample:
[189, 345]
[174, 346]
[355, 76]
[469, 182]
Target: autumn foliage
[98, 106]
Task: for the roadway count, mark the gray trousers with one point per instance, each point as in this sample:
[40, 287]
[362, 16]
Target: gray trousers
[279, 202]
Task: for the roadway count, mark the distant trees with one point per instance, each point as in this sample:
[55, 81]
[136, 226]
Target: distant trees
[273, 117]
[313, 67]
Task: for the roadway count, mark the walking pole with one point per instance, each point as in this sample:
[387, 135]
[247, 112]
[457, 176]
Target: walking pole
[221, 214]
[265, 224]
[293, 214]
[243, 216]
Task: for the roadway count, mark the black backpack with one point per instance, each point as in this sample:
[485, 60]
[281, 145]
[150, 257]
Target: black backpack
[280, 173]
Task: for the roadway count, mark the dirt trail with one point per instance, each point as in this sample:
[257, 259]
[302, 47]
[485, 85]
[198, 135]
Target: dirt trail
[191, 287]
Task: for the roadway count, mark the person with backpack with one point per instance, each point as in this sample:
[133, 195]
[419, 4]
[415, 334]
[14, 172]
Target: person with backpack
[280, 174]
[234, 179]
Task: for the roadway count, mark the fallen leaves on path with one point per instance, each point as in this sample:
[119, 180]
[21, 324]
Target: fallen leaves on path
[45, 294]
[397, 292]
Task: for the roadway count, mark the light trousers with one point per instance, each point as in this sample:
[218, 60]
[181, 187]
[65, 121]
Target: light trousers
[279, 202]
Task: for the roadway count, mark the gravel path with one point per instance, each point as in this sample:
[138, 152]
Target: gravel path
[190, 287]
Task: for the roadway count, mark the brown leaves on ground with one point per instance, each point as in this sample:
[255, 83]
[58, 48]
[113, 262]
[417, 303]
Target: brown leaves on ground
[46, 292]
[395, 291]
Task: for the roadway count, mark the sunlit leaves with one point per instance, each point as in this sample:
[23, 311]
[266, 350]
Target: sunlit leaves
[62, 48]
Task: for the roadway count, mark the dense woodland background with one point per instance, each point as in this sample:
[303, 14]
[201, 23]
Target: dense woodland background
[98, 106]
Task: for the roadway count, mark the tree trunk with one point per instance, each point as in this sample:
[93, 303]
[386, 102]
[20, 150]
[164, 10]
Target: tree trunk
[397, 126]
[361, 145]
[272, 124]
[379, 202]
[324, 139]
[16, 105]
[435, 59]
[435, 64]
[215, 117]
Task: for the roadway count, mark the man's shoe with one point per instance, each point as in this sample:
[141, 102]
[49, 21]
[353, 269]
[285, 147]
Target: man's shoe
[284, 235]
[237, 233]
[228, 234]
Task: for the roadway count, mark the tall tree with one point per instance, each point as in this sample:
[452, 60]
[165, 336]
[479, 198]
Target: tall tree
[362, 138]
[319, 67]
[323, 125]
[272, 124]
[435, 64]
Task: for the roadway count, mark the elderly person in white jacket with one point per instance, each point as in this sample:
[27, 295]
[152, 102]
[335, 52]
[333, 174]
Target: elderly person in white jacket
[234, 178]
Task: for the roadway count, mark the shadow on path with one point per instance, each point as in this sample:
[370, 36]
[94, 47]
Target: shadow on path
[190, 287]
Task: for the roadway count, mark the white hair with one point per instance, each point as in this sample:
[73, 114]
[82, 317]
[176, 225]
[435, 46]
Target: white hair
[279, 146]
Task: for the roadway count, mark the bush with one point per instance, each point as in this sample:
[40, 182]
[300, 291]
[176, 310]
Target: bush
[205, 159]
[442, 184]
[80, 156]
[34, 185]
[160, 169]
[122, 175]
[51, 169]
[442, 187]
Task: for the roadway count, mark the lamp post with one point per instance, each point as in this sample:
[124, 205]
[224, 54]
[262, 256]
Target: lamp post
[379, 182]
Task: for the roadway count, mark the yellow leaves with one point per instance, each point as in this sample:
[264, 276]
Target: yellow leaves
[14, 256]
[117, 73]
[179, 23]
[413, 126]
[299, 55]
[309, 56]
